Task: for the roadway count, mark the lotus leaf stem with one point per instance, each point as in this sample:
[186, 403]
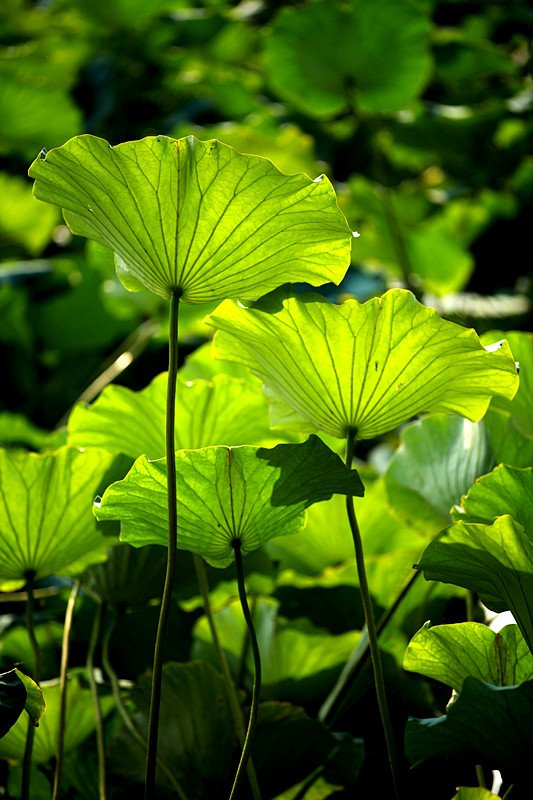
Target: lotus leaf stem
[65, 647]
[100, 744]
[37, 662]
[157, 674]
[372, 631]
[254, 708]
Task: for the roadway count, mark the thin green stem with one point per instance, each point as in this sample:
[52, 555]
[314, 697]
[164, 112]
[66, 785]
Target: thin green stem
[508, 792]
[37, 662]
[372, 631]
[63, 687]
[254, 708]
[121, 708]
[100, 744]
[157, 675]
[235, 706]
[338, 696]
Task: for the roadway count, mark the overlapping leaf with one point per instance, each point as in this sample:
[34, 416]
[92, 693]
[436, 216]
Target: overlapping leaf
[472, 729]
[299, 660]
[323, 57]
[364, 367]
[439, 459]
[494, 560]
[197, 217]
[521, 344]
[12, 700]
[246, 493]
[505, 490]
[80, 723]
[508, 444]
[451, 653]
[226, 411]
[45, 510]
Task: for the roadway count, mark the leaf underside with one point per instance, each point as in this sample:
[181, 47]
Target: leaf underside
[196, 217]
[364, 367]
[223, 493]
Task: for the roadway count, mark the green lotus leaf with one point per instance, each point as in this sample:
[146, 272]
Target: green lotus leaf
[226, 411]
[128, 578]
[439, 458]
[12, 700]
[298, 744]
[474, 793]
[328, 56]
[201, 364]
[35, 703]
[45, 510]
[519, 407]
[21, 218]
[196, 217]
[80, 723]
[494, 560]
[508, 445]
[29, 114]
[16, 431]
[197, 738]
[364, 367]
[299, 661]
[451, 653]
[226, 493]
[505, 490]
[487, 724]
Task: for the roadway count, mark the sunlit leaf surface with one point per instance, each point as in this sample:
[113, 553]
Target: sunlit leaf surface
[496, 561]
[505, 490]
[521, 344]
[45, 510]
[246, 493]
[451, 653]
[364, 367]
[197, 217]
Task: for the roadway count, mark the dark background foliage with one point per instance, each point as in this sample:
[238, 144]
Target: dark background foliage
[419, 111]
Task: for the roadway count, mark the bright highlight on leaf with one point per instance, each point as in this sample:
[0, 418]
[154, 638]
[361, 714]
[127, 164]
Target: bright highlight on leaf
[505, 490]
[45, 510]
[364, 367]
[35, 702]
[226, 493]
[452, 653]
[196, 217]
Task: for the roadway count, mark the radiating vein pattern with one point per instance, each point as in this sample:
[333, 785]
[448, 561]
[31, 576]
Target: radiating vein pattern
[225, 493]
[45, 510]
[197, 216]
[365, 367]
